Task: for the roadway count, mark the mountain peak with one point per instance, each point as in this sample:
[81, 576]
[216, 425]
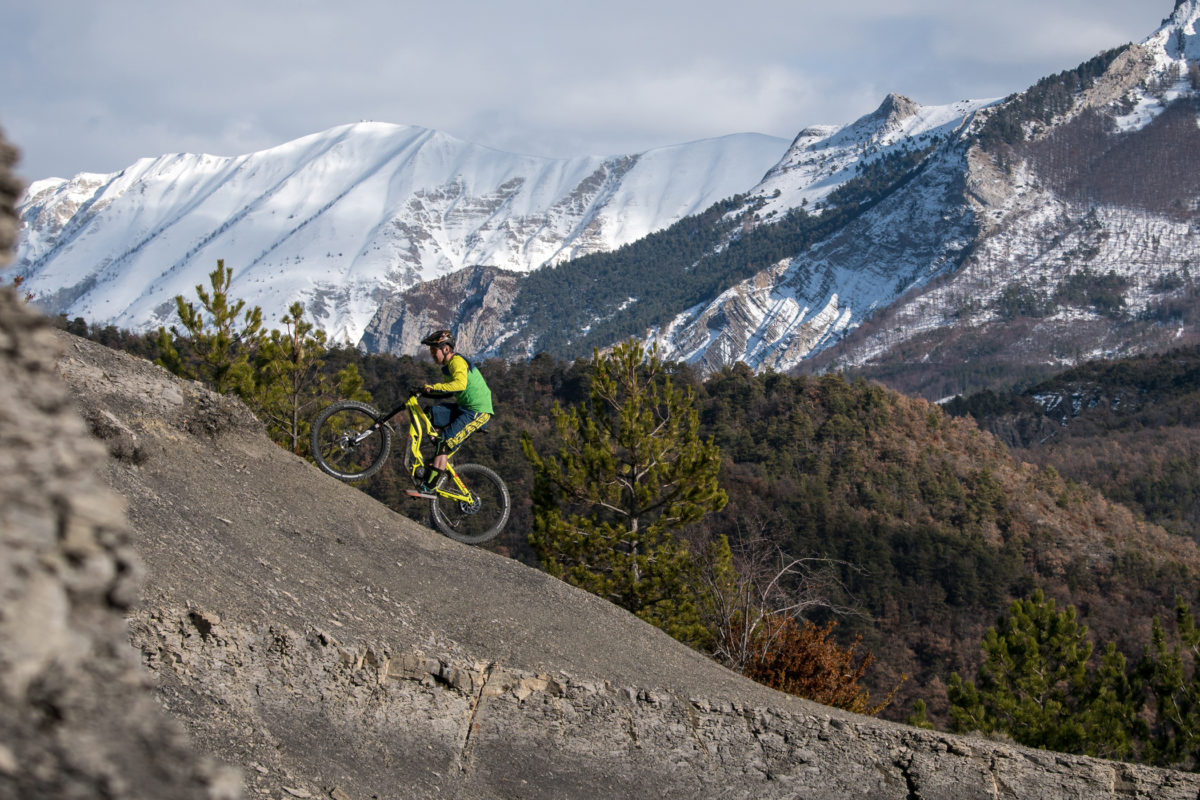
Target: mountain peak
[1184, 15]
[895, 107]
[1177, 37]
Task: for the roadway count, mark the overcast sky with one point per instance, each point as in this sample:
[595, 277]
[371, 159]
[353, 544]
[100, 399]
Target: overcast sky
[93, 85]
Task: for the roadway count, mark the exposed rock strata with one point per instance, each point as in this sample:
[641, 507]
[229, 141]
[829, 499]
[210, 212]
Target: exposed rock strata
[472, 301]
[434, 727]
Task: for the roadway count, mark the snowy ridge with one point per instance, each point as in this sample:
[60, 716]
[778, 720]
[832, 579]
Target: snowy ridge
[959, 214]
[779, 317]
[341, 218]
[823, 158]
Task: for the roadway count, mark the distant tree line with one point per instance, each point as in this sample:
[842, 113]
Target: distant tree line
[1049, 98]
[1137, 439]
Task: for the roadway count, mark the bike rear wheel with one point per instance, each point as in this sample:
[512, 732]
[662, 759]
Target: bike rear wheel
[482, 518]
[339, 446]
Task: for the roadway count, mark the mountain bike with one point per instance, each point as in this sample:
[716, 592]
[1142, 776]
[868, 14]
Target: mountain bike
[352, 440]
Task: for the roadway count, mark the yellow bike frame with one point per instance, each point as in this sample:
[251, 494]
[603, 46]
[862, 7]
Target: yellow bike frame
[420, 429]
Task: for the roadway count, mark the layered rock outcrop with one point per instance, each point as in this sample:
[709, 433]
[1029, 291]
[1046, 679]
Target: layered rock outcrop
[473, 301]
[78, 714]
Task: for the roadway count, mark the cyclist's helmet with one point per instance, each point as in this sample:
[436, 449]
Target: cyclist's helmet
[439, 338]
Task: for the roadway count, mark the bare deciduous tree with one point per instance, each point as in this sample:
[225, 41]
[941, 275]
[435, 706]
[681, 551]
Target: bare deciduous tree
[748, 581]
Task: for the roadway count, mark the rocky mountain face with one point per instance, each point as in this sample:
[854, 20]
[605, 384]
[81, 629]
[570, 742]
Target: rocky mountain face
[477, 299]
[1069, 210]
[916, 228]
[332, 648]
[1083, 203]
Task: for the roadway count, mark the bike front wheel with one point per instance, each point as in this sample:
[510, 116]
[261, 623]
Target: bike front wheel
[480, 519]
[345, 443]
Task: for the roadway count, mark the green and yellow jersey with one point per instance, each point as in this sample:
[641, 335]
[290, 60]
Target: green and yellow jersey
[466, 383]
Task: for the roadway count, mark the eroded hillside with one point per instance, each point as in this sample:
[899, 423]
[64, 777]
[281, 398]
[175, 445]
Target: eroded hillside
[332, 648]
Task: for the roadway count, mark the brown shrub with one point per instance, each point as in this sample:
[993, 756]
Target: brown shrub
[799, 658]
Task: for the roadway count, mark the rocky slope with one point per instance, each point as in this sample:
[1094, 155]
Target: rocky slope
[78, 718]
[332, 648]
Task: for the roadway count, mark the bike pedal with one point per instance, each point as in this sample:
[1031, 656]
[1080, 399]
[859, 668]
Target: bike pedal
[420, 495]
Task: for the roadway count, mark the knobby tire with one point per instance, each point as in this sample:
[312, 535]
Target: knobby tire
[479, 521]
[332, 449]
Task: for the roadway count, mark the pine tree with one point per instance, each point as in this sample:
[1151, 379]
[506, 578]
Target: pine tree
[1035, 686]
[289, 381]
[218, 346]
[728, 606]
[1110, 719]
[1035, 660]
[1173, 681]
[919, 718]
[630, 472]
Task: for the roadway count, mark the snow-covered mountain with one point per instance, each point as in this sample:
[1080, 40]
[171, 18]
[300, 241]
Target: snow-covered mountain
[1056, 225]
[343, 218]
[765, 321]
[922, 242]
[778, 317]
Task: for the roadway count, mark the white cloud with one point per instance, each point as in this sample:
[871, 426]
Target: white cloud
[93, 86]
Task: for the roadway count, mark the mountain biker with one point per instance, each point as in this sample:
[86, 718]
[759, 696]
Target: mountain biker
[472, 407]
